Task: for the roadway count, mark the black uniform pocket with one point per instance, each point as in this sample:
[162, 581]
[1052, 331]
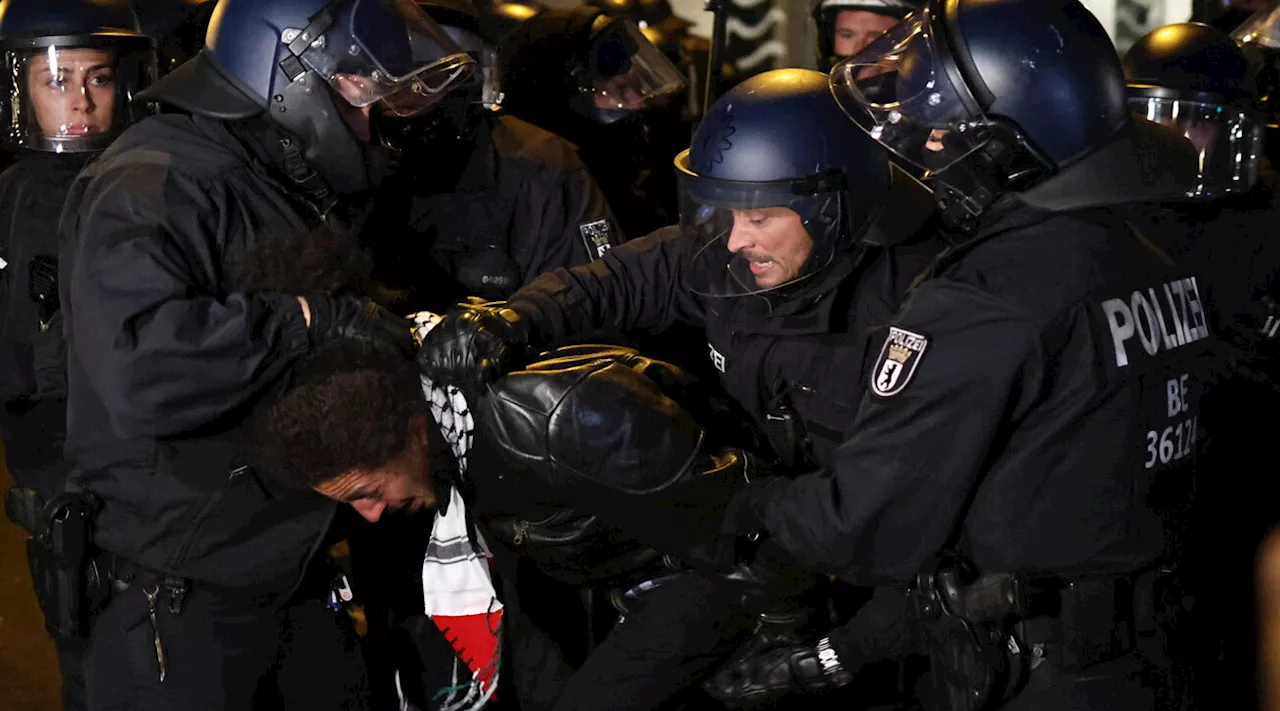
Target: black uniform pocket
[49, 360]
[223, 517]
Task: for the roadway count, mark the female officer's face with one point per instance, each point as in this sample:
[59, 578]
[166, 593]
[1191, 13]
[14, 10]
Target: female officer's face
[73, 91]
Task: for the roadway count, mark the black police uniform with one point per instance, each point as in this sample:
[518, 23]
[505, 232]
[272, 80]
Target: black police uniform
[1024, 416]
[33, 388]
[522, 204]
[1228, 242]
[1220, 229]
[165, 361]
[32, 371]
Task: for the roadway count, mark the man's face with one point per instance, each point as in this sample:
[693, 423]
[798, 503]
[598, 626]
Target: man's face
[774, 241]
[402, 483]
[73, 91]
[855, 29]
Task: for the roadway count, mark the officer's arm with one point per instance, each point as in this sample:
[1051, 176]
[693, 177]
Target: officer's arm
[164, 349]
[897, 486]
[577, 225]
[638, 286]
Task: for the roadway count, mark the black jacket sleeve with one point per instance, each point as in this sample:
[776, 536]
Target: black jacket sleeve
[162, 343]
[577, 225]
[638, 286]
[896, 488]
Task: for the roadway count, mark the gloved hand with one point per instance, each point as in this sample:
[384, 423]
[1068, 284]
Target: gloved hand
[334, 317]
[774, 667]
[476, 344]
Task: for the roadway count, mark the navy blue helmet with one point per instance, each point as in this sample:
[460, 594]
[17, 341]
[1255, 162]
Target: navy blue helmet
[775, 187]
[1195, 79]
[72, 70]
[303, 63]
[1015, 90]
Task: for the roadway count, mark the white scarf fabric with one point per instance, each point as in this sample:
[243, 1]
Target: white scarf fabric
[458, 592]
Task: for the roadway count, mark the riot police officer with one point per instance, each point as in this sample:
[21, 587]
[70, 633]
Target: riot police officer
[1195, 79]
[797, 236]
[490, 201]
[1024, 390]
[210, 601]
[1045, 276]
[593, 80]
[71, 72]
[846, 27]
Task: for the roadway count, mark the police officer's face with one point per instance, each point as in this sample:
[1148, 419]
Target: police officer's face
[617, 93]
[855, 29]
[73, 91]
[351, 90]
[402, 483]
[773, 241]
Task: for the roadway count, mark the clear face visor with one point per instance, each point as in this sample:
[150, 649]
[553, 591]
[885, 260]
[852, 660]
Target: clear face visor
[1227, 140]
[75, 99]
[389, 51]
[486, 59]
[899, 93]
[1262, 28]
[750, 238]
[626, 72]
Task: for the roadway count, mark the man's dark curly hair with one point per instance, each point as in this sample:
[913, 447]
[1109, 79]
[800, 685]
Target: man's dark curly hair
[319, 261]
[348, 406]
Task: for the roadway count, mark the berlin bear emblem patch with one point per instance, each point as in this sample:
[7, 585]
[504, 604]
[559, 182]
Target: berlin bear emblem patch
[598, 236]
[899, 357]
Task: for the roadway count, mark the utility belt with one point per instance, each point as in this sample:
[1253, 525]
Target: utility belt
[70, 584]
[985, 635]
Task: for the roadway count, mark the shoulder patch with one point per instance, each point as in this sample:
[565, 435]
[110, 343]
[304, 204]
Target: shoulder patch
[898, 359]
[597, 236]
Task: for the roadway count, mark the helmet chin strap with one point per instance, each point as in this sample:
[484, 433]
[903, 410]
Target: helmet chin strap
[307, 112]
[1005, 163]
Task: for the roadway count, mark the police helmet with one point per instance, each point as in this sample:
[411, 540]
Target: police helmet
[775, 158]
[604, 67]
[73, 68]
[1259, 37]
[280, 58]
[991, 96]
[826, 14]
[1195, 79]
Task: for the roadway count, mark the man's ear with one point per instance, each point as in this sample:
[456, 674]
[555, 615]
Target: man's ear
[417, 432]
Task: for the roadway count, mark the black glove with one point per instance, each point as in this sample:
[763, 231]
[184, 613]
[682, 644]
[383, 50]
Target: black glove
[476, 344]
[769, 581]
[775, 667]
[335, 317]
